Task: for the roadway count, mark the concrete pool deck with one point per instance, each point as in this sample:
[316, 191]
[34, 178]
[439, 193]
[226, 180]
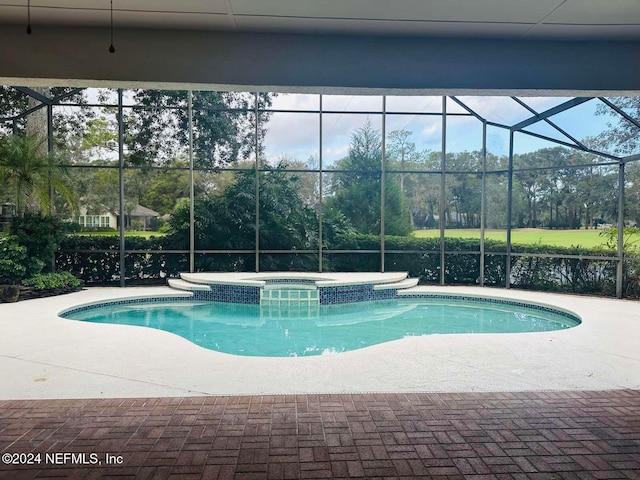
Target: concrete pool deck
[45, 356]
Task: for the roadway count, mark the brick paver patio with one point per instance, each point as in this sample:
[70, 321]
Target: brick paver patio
[572, 435]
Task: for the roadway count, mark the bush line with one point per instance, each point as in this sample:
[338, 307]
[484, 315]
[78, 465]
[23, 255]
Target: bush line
[556, 273]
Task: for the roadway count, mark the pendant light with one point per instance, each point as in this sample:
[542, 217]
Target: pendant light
[28, 17]
[111, 47]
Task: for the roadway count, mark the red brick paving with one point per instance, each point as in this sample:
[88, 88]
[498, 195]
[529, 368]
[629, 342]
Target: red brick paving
[533, 435]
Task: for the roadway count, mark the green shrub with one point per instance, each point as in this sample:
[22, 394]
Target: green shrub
[50, 281]
[97, 229]
[13, 260]
[162, 226]
[226, 221]
[136, 226]
[462, 263]
[41, 235]
[96, 259]
[418, 256]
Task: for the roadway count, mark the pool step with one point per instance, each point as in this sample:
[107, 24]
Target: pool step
[293, 289]
[187, 286]
[407, 283]
[289, 286]
[289, 294]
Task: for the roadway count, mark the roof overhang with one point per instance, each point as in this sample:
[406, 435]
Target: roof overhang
[153, 58]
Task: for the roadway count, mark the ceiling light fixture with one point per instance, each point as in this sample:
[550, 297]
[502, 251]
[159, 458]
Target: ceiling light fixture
[28, 17]
[111, 47]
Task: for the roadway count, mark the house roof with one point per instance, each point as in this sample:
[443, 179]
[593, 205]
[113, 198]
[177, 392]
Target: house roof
[140, 211]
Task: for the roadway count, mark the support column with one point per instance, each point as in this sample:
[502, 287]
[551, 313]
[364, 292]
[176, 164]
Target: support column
[257, 192]
[51, 191]
[50, 150]
[620, 269]
[483, 190]
[320, 197]
[50, 128]
[509, 209]
[443, 165]
[383, 180]
[192, 215]
[121, 186]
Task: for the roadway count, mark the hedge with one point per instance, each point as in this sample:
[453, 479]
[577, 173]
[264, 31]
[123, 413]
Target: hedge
[50, 281]
[419, 256]
[96, 259]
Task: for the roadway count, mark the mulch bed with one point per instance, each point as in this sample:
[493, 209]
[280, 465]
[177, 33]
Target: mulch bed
[28, 293]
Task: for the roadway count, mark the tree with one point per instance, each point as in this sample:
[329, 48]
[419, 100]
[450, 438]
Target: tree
[597, 193]
[65, 122]
[224, 123]
[357, 189]
[569, 192]
[165, 187]
[402, 150]
[462, 194]
[422, 190]
[622, 137]
[97, 190]
[12, 103]
[226, 220]
[71, 131]
[96, 141]
[223, 126]
[31, 175]
[402, 154]
[533, 185]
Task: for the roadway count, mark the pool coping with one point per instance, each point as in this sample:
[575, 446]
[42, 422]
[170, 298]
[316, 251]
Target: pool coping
[331, 287]
[45, 356]
[406, 295]
[324, 279]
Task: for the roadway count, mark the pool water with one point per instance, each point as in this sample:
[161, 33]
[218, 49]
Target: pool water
[281, 331]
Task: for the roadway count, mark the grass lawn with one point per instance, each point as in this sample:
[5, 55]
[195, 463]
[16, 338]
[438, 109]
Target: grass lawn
[126, 234]
[561, 238]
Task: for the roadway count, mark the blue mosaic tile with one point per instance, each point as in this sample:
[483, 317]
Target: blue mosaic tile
[125, 301]
[497, 301]
[229, 293]
[290, 280]
[327, 295]
[354, 293]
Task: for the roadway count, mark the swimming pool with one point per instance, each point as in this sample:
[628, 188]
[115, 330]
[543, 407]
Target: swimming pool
[284, 330]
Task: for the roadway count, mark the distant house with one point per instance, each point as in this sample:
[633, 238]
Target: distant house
[140, 216]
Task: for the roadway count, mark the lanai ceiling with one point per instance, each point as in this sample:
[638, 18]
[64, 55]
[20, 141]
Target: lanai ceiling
[517, 19]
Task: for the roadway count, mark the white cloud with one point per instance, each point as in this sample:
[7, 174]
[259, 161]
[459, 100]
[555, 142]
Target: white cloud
[354, 103]
[295, 102]
[334, 153]
[540, 104]
[294, 135]
[297, 135]
[414, 104]
[502, 110]
[507, 111]
[432, 129]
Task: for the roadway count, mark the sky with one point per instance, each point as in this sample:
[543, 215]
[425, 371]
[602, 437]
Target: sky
[296, 135]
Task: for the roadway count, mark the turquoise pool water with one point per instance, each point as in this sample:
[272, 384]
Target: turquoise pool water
[279, 331]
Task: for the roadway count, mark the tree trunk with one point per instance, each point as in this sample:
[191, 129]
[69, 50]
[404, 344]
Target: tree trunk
[37, 121]
[37, 126]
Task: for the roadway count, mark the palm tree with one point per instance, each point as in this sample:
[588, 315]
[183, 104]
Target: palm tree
[30, 174]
